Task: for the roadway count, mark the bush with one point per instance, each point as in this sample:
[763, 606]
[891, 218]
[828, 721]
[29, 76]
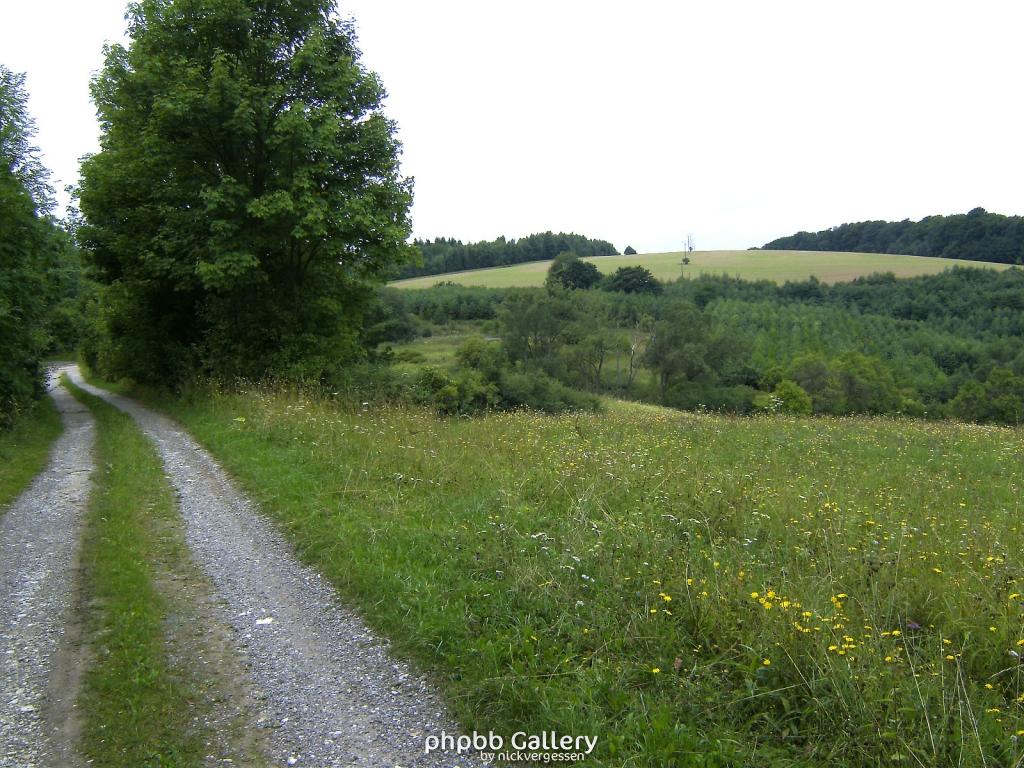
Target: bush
[482, 355]
[542, 393]
[787, 397]
[571, 272]
[633, 280]
[694, 396]
[466, 392]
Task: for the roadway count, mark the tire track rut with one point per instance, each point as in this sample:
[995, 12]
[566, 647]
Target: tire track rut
[39, 542]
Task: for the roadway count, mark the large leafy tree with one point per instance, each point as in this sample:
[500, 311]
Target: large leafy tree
[246, 192]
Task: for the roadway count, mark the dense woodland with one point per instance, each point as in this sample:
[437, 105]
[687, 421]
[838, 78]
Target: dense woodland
[448, 255]
[40, 275]
[974, 236]
[947, 345]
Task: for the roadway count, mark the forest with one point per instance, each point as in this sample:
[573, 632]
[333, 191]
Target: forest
[442, 255]
[975, 236]
[947, 345]
[40, 276]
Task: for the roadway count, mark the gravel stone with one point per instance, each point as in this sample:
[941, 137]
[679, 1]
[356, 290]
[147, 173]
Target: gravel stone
[332, 694]
[39, 541]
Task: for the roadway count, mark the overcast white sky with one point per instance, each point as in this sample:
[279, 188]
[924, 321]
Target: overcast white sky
[640, 121]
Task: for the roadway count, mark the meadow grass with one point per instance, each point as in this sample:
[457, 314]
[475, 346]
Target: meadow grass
[777, 266]
[25, 447]
[693, 589]
[136, 709]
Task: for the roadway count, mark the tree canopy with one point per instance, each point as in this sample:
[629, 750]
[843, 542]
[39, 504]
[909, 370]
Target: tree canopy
[568, 270]
[633, 280]
[246, 191]
[442, 255]
[975, 236]
[31, 250]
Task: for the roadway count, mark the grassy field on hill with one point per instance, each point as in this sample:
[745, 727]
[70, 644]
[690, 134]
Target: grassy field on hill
[693, 589]
[777, 266]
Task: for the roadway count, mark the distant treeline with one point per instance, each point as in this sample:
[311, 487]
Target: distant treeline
[449, 255]
[974, 236]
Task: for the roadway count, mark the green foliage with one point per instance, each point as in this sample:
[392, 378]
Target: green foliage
[786, 397]
[18, 156]
[632, 280]
[569, 271]
[541, 392]
[34, 254]
[1000, 399]
[874, 345]
[482, 355]
[246, 190]
[593, 350]
[534, 328]
[975, 236]
[449, 255]
[23, 251]
[709, 396]
[679, 346]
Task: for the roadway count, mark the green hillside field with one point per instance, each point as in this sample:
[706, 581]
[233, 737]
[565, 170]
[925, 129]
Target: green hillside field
[778, 266]
[694, 589]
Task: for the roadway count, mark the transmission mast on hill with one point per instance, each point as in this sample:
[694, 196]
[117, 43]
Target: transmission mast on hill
[686, 256]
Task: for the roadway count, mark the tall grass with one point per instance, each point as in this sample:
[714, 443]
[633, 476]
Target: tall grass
[25, 447]
[694, 590]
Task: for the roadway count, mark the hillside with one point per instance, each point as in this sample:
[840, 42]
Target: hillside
[677, 583]
[777, 266]
[442, 255]
[974, 236]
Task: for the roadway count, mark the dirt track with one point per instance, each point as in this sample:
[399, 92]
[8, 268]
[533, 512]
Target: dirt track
[39, 662]
[331, 693]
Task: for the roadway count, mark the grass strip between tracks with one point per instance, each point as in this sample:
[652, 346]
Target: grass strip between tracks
[135, 706]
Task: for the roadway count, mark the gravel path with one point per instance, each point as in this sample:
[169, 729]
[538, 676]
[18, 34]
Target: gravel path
[332, 694]
[39, 537]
